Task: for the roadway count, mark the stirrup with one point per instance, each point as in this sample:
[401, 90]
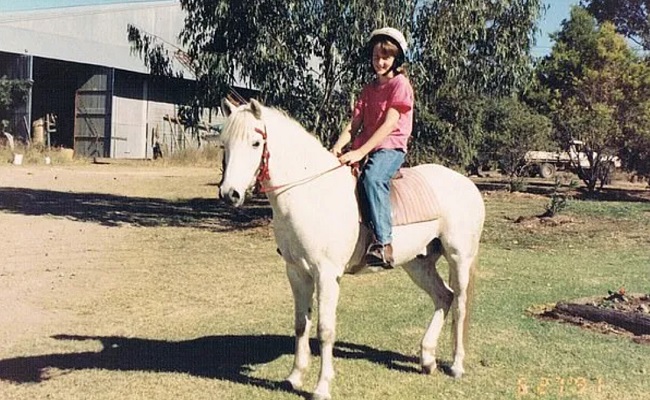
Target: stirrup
[379, 255]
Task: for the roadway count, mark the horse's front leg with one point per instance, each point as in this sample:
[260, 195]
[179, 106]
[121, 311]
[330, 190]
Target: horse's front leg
[328, 296]
[302, 286]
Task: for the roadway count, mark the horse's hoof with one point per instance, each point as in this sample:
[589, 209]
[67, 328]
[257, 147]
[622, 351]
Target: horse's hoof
[318, 396]
[428, 369]
[456, 372]
[290, 385]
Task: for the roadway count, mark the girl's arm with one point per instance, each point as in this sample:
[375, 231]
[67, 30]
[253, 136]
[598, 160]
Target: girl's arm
[346, 136]
[390, 122]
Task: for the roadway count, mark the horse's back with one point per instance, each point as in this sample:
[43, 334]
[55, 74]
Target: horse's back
[457, 196]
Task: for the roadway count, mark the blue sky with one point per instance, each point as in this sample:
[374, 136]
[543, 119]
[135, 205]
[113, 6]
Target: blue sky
[19, 5]
[557, 11]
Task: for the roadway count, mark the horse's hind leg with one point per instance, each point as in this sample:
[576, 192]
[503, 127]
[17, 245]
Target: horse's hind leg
[423, 272]
[302, 286]
[461, 270]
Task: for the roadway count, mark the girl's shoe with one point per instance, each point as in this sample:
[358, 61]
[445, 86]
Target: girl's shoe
[380, 255]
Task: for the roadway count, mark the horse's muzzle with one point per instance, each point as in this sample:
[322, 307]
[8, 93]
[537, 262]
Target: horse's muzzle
[232, 196]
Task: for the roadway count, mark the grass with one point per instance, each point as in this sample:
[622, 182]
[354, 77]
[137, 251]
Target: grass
[35, 155]
[207, 156]
[195, 313]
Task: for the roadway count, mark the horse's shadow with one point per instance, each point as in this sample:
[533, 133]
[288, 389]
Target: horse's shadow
[115, 210]
[229, 358]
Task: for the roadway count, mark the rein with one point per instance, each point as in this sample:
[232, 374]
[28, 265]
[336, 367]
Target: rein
[263, 173]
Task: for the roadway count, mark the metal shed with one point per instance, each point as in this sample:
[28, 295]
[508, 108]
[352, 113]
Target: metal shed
[79, 62]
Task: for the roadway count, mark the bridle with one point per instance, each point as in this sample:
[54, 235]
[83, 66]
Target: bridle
[264, 175]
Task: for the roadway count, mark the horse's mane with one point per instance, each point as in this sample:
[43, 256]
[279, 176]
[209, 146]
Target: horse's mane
[243, 120]
[291, 135]
[285, 118]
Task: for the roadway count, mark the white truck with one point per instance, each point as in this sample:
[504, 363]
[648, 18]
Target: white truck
[547, 163]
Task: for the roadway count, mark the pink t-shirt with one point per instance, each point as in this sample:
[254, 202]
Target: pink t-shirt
[375, 100]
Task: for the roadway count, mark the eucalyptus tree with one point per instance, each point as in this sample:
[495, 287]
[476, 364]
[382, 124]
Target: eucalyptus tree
[307, 57]
[511, 130]
[631, 17]
[599, 93]
[13, 92]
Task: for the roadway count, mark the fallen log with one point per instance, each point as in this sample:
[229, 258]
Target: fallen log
[636, 323]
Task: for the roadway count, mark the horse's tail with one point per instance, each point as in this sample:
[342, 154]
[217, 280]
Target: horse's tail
[473, 270]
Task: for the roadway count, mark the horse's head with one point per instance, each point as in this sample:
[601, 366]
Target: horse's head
[243, 139]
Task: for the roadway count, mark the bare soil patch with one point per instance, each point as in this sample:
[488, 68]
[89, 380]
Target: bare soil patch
[72, 235]
[539, 220]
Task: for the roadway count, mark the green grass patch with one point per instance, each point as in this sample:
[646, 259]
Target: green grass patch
[180, 312]
[611, 210]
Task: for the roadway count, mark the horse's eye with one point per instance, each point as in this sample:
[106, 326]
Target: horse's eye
[256, 144]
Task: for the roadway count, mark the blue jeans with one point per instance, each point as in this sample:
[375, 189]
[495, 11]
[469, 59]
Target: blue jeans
[374, 186]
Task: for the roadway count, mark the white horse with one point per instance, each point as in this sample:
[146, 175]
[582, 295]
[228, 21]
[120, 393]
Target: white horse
[318, 231]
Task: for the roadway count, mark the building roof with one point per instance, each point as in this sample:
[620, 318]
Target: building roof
[91, 34]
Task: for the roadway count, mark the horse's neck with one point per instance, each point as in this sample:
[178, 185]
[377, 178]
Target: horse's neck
[295, 155]
[319, 199]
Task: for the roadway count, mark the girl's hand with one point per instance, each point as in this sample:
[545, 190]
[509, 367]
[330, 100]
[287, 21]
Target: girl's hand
[337, 151]
[351, 157]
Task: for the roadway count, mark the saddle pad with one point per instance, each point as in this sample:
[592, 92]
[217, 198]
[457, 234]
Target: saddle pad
[412, 199]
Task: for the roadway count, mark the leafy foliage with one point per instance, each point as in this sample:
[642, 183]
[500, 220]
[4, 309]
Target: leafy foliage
[594, 82]
[308, 58]
[512, 129]
[451, 127]
[559, 198]
[473, 46]
[12, 92]
[631, 17]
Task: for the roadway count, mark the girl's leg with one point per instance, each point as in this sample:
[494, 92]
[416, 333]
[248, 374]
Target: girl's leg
[377, 172]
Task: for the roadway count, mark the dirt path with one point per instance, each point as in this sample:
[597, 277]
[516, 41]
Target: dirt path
[64, 230]
[114, 179]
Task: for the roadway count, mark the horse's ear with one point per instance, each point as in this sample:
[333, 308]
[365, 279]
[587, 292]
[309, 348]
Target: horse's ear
[256, 108]
[227, 107]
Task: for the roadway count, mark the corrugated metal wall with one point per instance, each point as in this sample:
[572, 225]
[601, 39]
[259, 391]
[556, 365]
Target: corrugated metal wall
[93, 108]
[108, 106]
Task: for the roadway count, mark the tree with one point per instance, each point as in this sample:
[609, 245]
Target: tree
[631, 17]
[593, 79]
[635, 118]
[307, 57]
[13, 92]
[448, 129]
[467, 51]
[512, 129]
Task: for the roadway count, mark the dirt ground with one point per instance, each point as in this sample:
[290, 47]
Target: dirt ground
[63, 229]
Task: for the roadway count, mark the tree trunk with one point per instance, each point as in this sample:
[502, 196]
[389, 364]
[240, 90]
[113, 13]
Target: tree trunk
[637, 323]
